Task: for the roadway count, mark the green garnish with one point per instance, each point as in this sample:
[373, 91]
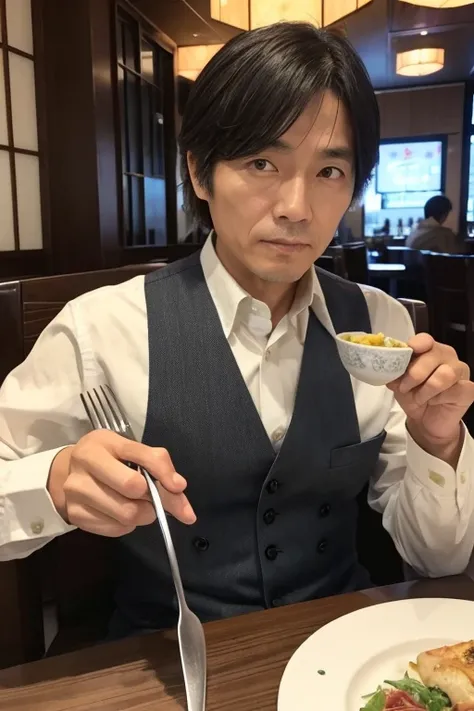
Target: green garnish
[321, 672]
[376, 701]
[432, 698]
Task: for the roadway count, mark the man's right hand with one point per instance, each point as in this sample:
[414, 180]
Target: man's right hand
[93, 489]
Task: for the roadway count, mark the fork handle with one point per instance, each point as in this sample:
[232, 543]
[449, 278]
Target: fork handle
[162, 520]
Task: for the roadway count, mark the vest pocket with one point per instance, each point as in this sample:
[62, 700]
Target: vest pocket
[352, 466]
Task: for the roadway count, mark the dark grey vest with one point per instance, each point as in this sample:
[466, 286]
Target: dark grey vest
[272, 528]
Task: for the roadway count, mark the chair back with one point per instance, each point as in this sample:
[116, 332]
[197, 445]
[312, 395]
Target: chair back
[332, 263]
[450, 286]
[54, 574]
[353, 256]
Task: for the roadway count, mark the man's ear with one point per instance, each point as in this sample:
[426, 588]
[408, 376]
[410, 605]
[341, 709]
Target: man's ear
[200, 191]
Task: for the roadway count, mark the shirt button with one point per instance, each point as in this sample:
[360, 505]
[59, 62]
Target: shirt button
[201, 544]
[37, 526]
[269, 516]
[272, 486]
[271, 553]
[267, 354]
[278, 434]
[325, 510]
[322, 545]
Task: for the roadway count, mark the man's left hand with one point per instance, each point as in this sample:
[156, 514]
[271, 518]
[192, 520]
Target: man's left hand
[435, 393]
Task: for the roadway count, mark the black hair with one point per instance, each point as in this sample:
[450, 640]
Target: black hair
[257, 86]
[438, 207]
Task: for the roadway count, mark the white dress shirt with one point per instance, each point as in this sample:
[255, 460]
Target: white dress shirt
[102, 337]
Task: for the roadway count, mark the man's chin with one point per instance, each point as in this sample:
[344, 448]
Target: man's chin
[279, 276]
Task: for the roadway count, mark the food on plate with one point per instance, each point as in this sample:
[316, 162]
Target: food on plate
[451, 668]
[446, 683]
[373, 339]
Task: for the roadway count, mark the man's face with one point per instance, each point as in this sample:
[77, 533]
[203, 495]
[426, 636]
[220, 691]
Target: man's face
[275, 212]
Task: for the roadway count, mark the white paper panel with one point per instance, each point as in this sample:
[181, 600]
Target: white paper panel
[7, 239]
[29, 205]
[19, 25]
[3, 109]
[22, 82]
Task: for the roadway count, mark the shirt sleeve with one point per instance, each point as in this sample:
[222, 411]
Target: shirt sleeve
[40, 413]
[427, 506]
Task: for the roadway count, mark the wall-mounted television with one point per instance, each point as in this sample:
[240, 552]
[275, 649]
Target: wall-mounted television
[413, 165]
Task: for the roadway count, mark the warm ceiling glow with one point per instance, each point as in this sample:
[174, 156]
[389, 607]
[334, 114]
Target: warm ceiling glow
[266, 12]
[191, 60]
[232, 12]
[439, 4]
[250, 14]
[419, 62]
[335, 10]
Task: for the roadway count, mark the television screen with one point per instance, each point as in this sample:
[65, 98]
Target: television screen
[411, 166]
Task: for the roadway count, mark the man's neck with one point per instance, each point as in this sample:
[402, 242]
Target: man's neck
[277, 296]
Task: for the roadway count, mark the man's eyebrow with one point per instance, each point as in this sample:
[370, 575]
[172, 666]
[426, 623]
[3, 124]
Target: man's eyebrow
[336, 152]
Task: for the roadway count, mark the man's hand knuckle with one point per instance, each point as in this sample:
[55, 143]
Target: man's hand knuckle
[128, 514]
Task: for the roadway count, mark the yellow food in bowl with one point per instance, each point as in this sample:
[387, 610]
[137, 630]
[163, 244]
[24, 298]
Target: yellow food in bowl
[373, 339]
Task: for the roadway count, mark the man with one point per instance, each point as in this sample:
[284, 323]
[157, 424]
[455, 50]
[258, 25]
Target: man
[431, 234]
[226, 368]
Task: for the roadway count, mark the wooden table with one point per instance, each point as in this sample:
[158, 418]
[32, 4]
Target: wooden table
[247, 656]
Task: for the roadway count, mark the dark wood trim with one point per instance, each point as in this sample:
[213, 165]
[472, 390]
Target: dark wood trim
[24, 263]
[20, 52]
[42, 124]
[23, 151]
[126, 68]
[467, 131]
[169, 114]
[8, 108]
[158, 35]
[102, 23]
[168, 253]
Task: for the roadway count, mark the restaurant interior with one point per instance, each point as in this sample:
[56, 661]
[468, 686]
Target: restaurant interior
[91, 98]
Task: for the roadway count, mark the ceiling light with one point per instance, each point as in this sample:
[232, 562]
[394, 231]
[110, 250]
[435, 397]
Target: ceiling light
[250, 14]
[439, 4]
[191, 60]
[423, 33]
[420, 62]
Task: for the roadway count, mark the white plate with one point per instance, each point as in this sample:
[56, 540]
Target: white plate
[359, 651]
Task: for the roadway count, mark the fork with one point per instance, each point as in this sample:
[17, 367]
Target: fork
[104, 412]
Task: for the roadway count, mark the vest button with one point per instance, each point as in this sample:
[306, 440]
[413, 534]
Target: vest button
[322, 545]
[272, 486]
[277, 602]
[272, 552]
[201, 544]
[325, 510]
[269, 516]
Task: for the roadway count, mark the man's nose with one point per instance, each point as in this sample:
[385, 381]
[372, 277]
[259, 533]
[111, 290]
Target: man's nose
[293, 202]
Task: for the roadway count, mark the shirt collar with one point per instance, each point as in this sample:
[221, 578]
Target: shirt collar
[226, 293]
[230, 298]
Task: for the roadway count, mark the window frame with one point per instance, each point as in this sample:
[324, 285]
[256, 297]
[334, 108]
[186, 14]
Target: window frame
[150, 34]
[468, 132]
[6, 49]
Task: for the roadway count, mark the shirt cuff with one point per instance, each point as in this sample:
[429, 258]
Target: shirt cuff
[28, 510]
[439, 477]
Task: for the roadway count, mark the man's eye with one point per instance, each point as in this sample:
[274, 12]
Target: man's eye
[262, 165]
[331, 173]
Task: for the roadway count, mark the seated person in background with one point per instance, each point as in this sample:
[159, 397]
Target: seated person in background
[431, 234]
[227, 369]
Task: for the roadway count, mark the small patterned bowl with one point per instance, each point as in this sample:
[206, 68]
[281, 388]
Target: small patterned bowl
[374, 365]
